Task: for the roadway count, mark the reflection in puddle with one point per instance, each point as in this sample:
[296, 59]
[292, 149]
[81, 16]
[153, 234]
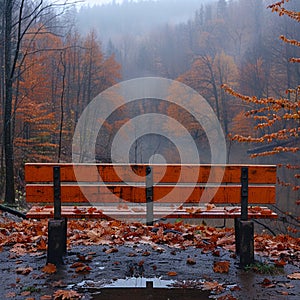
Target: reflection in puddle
[140, 282]
[146, 288]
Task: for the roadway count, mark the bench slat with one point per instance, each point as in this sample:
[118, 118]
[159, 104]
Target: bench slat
[258, 194]
[139, 212]
[189, 173]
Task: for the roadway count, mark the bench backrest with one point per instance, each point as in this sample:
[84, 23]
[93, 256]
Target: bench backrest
[107, 183]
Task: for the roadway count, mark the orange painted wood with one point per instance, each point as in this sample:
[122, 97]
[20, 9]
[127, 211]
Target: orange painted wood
[213, 173]
[79, 194]
[85, 172]
[162, 173]
[103, 184]
[166, 194]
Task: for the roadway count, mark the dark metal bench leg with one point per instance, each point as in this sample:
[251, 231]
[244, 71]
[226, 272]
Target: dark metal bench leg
[57, 227]
[56, 241]
[149, 196]
[246, 229]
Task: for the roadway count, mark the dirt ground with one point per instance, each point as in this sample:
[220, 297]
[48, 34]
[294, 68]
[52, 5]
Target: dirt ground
[124, 271]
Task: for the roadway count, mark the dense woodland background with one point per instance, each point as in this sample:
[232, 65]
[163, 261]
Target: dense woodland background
[55, 58]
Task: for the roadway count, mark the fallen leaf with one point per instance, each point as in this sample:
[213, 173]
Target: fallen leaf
[221, 266]
[266, 283]
[172, 273]
[91, 210]
[41, 244]
[83, 269]
[212, 286]
[66, 295]
[10, 295]
[146, 253]
[284, 293]
[280, 263]
[49, 268]
[24, 271]
[58, 283]
[84, 258]
[111, 250]
[77, 264]
[210, 206]
[46, 297]
[25, 293]
[141, 263]
[193, 210]
[190, 261]
[294, 276]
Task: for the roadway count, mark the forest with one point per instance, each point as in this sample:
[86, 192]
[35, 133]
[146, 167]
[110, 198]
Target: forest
[240, 55]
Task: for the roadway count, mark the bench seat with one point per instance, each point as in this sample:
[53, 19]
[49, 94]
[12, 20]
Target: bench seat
[139, 212]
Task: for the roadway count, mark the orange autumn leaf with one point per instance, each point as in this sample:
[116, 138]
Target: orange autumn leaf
[77, 264]
[91, 210]
[49, 268]
[66, 295]
[111, 250]
[46, 297]
[190, 261]
[42, 245]
[78, 211]
[212, 286]
[210, 206]
[24, 271]
[172, 273]
[267, 283]
[221, 266]
[83, 269]
[280, 263]
[25, 293]
[193, 210]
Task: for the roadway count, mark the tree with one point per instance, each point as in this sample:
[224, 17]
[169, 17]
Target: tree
[17, 17]
[277, 118]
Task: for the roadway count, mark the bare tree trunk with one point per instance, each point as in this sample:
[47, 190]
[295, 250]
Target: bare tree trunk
[8, 141]
[2, 93]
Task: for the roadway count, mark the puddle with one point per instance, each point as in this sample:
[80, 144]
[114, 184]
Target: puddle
[140, 288]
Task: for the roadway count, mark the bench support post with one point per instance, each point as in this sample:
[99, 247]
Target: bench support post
[246, 243]
[244, 229]
[57, 227]
[244, 194]
[56, 241]
[149, 196]
[57, 194]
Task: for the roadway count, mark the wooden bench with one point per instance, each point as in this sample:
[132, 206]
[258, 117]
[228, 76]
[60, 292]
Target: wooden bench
[150, 193]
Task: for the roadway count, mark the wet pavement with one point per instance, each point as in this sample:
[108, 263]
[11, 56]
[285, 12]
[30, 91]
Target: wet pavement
[141, 271]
